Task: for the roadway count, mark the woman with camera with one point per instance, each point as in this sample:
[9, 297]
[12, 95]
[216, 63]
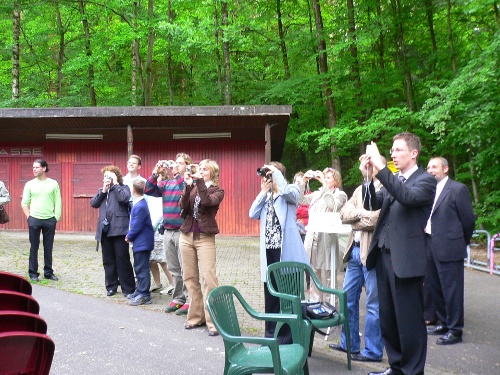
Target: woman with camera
[112, 200]
[275, 207]
[328, 198]
[200, 202]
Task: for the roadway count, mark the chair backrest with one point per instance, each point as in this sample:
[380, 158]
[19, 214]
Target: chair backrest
[11, 321]
[18, 301]
[222, 310]
[25, 353]
[288, 278]
[14, 283]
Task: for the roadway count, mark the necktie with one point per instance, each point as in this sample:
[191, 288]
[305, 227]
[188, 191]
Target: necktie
[401, 178]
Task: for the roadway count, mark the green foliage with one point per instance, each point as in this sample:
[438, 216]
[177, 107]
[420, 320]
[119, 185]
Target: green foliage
[454, 112]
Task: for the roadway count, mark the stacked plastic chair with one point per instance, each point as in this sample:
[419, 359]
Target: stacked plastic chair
[25, 347]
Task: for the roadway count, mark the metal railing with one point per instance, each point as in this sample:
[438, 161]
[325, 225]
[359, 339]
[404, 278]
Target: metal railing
[489, 265]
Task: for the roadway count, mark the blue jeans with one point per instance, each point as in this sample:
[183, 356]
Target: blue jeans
[356, 275]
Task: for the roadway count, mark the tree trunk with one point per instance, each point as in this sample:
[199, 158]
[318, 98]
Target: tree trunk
[450, 38]
[218, 59]
[60, 56]
[88, 51]
[15, 50]
[169, 56]
[225, 51]
[284, 54]
[323, 69]
[136, 62]
[149, 60]
[429, 10]
[401, 53]
[497, 13]
[353, 46]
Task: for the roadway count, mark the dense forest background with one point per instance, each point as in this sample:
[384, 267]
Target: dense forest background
[354, 71]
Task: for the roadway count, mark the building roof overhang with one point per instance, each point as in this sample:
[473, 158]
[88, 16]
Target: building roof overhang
[147, 123]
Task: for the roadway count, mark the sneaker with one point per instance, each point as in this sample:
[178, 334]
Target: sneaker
[168, 290]
[155, 287]
[173, 307]
[183, 310]
[131, 295]
[140, 300]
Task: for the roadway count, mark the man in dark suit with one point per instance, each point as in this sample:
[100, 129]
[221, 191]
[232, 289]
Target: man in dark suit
[397, 250]
[449, 230]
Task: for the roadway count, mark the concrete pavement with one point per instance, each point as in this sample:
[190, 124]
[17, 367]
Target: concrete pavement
[98, 334]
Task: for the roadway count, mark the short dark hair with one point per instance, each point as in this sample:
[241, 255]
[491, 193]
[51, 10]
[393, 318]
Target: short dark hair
[138, 186]
[139, 161]
[43, 164]
[412, 141]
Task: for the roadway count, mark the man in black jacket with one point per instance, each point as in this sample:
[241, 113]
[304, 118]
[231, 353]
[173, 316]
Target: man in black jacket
[449, 230]
[397, 250]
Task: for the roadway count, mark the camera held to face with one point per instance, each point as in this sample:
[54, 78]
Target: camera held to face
[262, 172]
[168, 164]
[191, 169]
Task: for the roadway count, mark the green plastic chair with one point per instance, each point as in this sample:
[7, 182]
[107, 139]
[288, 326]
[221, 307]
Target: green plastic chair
[290, 280]
[266, 355]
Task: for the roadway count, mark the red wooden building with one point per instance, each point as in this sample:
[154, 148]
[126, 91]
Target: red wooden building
[78, 142]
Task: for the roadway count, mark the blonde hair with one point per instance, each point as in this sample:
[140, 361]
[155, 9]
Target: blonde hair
[214, 170]
[185, 156]
[336, 175]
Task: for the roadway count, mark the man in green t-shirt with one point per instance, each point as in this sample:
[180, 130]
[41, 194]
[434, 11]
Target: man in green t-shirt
[42, 206]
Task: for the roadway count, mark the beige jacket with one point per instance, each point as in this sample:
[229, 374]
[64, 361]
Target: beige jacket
[360, 219]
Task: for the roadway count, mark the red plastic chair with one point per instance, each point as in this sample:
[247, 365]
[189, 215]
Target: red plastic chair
[11, 321]
[25, 353]
[14, 283]
[18, 301]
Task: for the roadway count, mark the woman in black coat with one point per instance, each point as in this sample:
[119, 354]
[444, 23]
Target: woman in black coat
[112, 226]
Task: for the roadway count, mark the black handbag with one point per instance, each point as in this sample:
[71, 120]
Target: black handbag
[4, 218]
[317, 310]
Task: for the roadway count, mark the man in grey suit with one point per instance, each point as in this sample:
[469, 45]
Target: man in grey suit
[449, 230]
[397, 250]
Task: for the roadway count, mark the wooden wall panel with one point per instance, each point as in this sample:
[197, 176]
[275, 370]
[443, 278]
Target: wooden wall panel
[72, 161]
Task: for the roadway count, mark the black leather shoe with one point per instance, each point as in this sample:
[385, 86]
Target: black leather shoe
[338, 348]
[213, 333]
[361, 358]
[388, 371]
[449, 338]
[34, 279]
[51, 277]
[192, 326]
[437, 330]
[110, 293]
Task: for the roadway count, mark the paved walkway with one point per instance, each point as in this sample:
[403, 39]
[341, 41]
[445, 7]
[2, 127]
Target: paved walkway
[98, 334]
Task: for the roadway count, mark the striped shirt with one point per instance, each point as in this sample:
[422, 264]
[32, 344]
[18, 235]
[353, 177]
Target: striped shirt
[170, 191]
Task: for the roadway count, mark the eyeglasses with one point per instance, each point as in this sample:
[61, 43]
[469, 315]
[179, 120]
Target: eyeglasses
[396, 150]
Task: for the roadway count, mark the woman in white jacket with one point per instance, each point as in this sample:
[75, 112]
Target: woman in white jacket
[318, 245]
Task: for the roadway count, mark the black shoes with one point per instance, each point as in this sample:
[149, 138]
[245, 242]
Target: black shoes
[338, 348]
[51, 277]
[192, 326]
[437, 330]
[213, 333]
[110, 293]
[34, 278]
[361, 358]
[449, 338]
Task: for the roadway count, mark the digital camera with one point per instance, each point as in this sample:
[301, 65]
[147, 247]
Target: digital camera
[262, 172]
[168, 164]
[191, 168]
[310, 174]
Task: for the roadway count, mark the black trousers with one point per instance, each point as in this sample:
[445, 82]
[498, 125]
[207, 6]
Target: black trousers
[401, 318]
[117, 266]
[446, 281]
[48, 228]
[272, 303]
